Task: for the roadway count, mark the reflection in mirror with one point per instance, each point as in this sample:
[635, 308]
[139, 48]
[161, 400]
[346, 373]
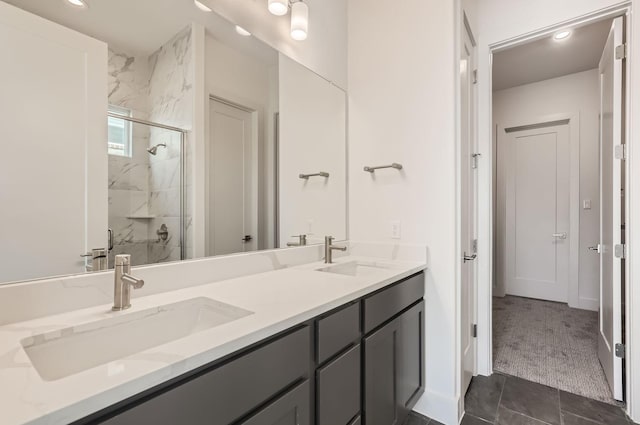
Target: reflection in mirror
[170, 138]
[146, 212]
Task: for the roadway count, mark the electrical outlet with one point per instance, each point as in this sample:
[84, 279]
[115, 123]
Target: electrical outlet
[395, 230]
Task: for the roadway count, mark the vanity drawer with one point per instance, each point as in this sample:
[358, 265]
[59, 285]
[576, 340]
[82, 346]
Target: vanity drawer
[385, 304]
[337, 331]
[293, 408]
[338, 397]
[230, 391]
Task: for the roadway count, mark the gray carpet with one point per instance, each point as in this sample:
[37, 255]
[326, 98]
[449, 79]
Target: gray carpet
[549, 343]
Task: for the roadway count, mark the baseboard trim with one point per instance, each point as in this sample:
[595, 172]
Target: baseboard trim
[589, 304]
[438, 406]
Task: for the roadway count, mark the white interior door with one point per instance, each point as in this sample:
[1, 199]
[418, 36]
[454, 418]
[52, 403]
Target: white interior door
[611, 110]
[536, 182]
[468, 213]
[53, 131]
[233, 218]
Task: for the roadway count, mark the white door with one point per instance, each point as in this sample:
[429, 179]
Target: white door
[468, 213]
[536, 181]
[611, 110]
[232, 204]
[53, 131]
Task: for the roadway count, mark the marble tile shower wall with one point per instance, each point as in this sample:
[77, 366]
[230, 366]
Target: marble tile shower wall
[144, 190]
[129, 176]
[171, 102]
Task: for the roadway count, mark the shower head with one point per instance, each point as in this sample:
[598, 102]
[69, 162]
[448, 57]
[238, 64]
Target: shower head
[154, 149]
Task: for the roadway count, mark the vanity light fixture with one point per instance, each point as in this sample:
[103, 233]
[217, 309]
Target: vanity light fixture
[242, 31]
[202, 6]
[299, 20]
[77, 3]
[278, 7]
[562, 35]
[299, 16]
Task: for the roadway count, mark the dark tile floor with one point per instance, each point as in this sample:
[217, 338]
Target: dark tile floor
[507, 400]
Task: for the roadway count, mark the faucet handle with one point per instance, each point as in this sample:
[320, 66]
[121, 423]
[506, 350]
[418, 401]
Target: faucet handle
[134, 282]
[123, 260]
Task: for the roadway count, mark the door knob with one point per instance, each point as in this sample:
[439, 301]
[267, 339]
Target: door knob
[595, 248]
[469, 257]
[246, 239]
[560, 235]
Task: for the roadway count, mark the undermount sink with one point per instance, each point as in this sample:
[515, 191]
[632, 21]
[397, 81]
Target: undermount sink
[64, 352]
[357, 268]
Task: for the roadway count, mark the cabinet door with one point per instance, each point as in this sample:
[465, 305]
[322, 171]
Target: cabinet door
[338, 389]
[394, 368]
[380, 401]
[290, 409]
[410, 368]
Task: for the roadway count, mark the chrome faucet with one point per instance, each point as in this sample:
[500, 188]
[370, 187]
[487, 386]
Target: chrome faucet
[329, 248]
[123, 283]
[302, 241]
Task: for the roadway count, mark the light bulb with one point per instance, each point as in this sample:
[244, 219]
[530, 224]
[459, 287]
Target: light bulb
[562, 35]
[299, 21]
[202, 6]
[78, 3]
[279, 7]
[242, 31]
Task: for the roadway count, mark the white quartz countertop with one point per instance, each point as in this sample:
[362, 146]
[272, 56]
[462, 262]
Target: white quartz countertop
[278, 299]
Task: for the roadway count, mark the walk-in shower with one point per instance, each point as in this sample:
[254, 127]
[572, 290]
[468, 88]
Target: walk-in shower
[153, 150]
[146, 190]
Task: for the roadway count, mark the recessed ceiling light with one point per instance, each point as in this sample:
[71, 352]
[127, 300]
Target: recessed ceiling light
[278, 7]
[201, 6]
[242, 31]
[562, 35]
[78, 3]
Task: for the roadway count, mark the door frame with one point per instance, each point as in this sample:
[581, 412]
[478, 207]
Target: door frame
[255, 144]
[573, 121]
[466, 33]
[485, 229]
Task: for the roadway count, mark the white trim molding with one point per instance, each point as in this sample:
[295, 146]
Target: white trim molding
[485, 230]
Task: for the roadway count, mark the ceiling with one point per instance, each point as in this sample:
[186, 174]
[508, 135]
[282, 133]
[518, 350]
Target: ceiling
[140, 27]
[547, 58]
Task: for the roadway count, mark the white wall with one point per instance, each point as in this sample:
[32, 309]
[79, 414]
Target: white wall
[312, 139]
[324, 51]
[247, 81]
[576, 93]
[501, 20]
[53, 169]
[402, 85]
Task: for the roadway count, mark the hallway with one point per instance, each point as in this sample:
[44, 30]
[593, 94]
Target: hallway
[549, 343]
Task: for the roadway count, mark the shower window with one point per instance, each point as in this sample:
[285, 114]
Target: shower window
[119, 132]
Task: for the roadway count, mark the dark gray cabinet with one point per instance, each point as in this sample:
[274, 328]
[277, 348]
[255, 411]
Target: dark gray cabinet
[229, 391]
[337, 331]
[293, 408]
[362, 363]
[394, 352]
[338, 394]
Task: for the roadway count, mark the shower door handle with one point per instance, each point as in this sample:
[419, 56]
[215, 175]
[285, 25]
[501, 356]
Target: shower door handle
[110, 238]
[247, 239]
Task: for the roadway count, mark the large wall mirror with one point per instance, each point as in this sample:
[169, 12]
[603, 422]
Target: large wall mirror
[157, 130]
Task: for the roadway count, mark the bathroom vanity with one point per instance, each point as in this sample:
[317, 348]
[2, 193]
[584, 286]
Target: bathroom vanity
[303, 343]
[359, 363]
